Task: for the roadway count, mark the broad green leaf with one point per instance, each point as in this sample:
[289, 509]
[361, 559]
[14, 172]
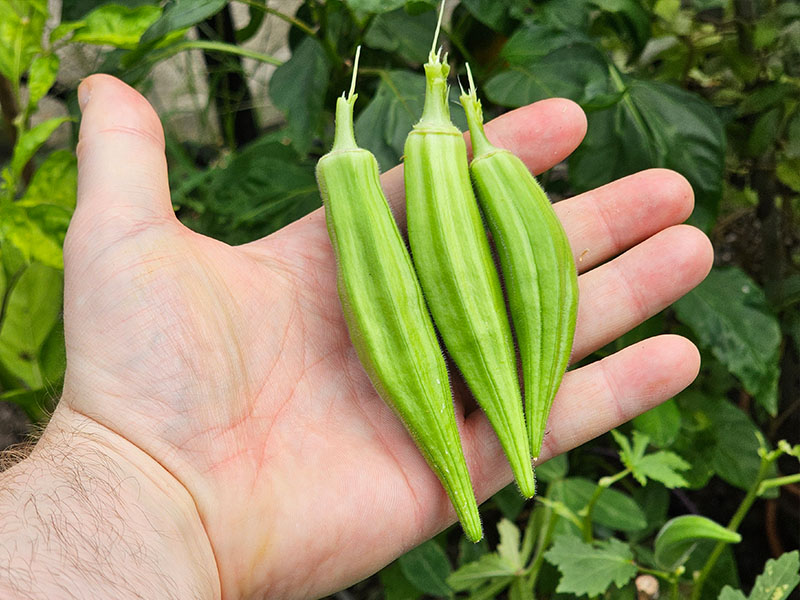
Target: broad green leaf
[728, 593]
[471, 551]
[478, 572]
[654, 125]
[375, 6]
[298, 88]
[765, 98]
[116, 25]
[427, 568]
[764, 135]
[383, 125]
[41, 78]
[24, 232]
[265, 186]
[614, 509]
[509, 501]
[661, 424]
[30, 141]
[591, 569]
[395, 584]
[555, 468]
[722, 437]
[54, 355]
[32, 309]
[498, 15]
[402, 34]
[725, 571]
[792, 148]
[533, 41]
[630, 17]
[180, 14]
[677, 538]
[37, 404]
[508, 547]
[779, 578]
[578, 71]
[54, 182]
[72, 10]
[21, 28]
[730, 315]
[654, 499]
[788, 172]
[661, 465]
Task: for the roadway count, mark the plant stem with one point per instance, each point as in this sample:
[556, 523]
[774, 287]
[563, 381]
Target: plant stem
[733, 525]
[586, 513]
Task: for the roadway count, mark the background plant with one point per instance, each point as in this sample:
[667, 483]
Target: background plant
[711, 88]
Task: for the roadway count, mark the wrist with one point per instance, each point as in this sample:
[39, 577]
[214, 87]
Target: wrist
[90, 514]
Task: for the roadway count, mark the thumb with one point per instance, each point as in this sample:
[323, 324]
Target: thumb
[122, 169]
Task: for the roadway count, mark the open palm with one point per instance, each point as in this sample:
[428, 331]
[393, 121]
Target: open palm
[231, 367]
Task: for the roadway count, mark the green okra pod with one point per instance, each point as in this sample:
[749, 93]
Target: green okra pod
[454, 262]
[537, 264]
[385, 312]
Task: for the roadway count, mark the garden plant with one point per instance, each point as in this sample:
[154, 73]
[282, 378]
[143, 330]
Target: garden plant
[697, 498]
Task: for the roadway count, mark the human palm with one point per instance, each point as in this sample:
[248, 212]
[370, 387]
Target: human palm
[232, 368]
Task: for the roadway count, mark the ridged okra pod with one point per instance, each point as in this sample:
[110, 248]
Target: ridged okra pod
[537, 264]
[385, 312]
[458, 276]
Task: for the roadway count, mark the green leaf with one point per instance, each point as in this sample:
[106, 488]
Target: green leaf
[779, 578]
[26, 232]
[181, 14]
[554, 469]
[590, 569]
[375, 6]
[32, 309]
[509, 501]
[614, 509]
[508, 547]
[116, 25]
[21, 28]
[765, 98]
[728, 593]
[30, 141]
[723, 436]
[41, 78]
[265, 186]
[402, 34]
[578, 71]
[395, 584]
[661, 424]
[495, 14]
[384, 124]
[788, 172]
[654, 125]
[54, 182]
[764, 135]
[298, 88]
[661, 465]
[678, 537]
[427, 568]
[472, 575]
[730, 315]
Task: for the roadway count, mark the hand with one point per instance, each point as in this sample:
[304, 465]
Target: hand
[231, 367]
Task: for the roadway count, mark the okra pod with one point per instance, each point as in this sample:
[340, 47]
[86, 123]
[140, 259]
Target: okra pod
[453, 259]
[387, 319]
[537, 264]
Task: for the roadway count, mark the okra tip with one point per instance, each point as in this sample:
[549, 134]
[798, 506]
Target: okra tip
[344, 135]
[474, 112]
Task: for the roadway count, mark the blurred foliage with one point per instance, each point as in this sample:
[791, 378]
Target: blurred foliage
[709, 88]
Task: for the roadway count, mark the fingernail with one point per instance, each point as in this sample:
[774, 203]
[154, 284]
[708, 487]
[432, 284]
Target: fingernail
[84, 93]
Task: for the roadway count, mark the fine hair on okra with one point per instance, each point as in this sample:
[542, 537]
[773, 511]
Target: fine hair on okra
[537, 264]
[454, 262]
[387, 319]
